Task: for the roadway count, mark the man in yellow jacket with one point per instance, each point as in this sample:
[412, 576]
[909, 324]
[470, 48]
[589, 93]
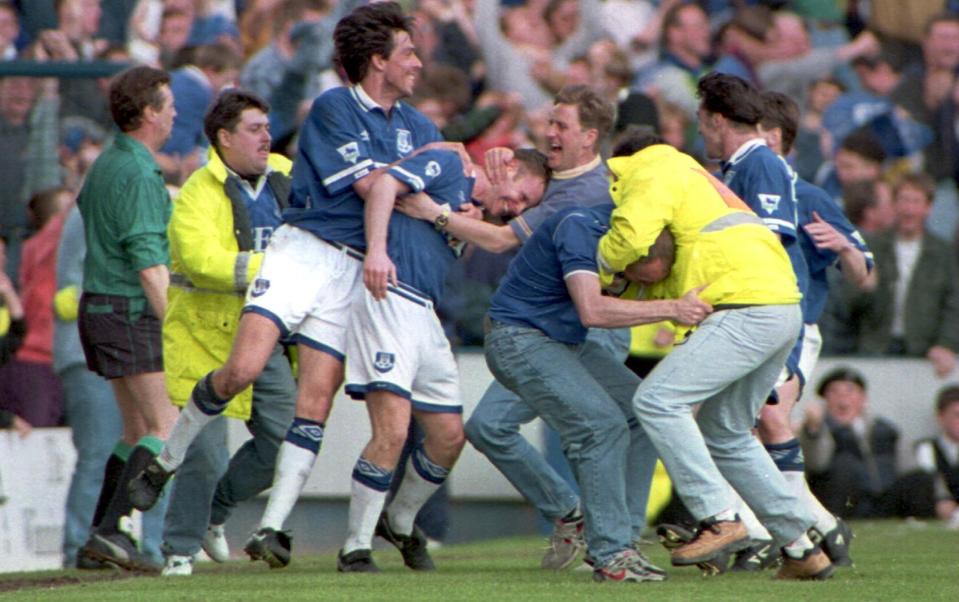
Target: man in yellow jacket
[728, 364]
[222, 221]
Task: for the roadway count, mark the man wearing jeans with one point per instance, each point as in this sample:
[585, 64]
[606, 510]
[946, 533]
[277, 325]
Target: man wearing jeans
[539, 317]
[728, 364]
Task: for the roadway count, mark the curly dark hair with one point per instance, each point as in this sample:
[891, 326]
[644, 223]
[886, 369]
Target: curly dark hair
[732, 97]
[365, 32]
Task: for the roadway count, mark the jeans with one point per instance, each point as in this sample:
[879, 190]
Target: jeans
[209, 484]
[95, 426]
[493, 429]
[586, 397]
[728, 365]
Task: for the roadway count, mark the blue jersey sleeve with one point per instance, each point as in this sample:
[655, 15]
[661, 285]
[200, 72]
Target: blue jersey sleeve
[767, 185]
[438, 173]
[575, 239]
[335, 143]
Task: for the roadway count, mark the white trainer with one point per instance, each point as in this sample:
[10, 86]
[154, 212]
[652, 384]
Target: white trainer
[215, 544]
[178, 566]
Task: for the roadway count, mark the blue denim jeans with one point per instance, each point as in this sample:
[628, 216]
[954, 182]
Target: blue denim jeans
[586, 399]
[209, 484]
[95, 426]
[493, 429]
[728, 365]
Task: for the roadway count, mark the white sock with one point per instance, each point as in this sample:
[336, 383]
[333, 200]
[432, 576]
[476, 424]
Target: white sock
[293, 466]
[797, 548]
[825, 521]
[412, 494]
[755, 528]
[188, 425]
[366, 505]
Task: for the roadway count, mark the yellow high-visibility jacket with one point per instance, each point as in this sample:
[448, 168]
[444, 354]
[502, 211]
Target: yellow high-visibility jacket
[209, 276]
[719, 241]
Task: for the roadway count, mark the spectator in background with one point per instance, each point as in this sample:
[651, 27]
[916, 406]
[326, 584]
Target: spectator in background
[914, 310]
[258, 25]
[9, 32]
[868, 205]
[927, 84]
[13, 328]
[850, 454]
[17, 99]
[859, 158]
[28, 385]
[938, 459]
[194, 86]
[175, 26]
[811, 144]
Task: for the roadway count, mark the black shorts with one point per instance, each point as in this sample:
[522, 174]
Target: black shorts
[120, 335]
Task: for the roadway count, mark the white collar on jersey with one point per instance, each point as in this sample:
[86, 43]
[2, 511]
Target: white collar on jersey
[366, 101]
[746, 147]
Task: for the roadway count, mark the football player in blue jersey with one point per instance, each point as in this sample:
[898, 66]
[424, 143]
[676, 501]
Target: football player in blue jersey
[539, 318]
[312, 269]
[729, 114]
[401, 363]
[826, 238]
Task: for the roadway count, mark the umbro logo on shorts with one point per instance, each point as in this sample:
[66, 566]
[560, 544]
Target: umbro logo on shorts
[260, 286]
[384, 362]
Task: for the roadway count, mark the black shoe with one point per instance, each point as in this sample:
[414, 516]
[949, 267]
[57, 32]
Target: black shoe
[118, 549]
[836, 543]
[85, 563]
[672, 536]
[412, 546]
[759, 556]
[271, 546]
[357, 561]
[145, 488]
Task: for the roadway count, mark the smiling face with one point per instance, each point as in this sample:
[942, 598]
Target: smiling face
[402, 68]
[246, 149]
[568, 144]
[522, 191]
[845, 401]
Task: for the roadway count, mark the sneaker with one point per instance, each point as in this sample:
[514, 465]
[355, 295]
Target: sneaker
[145, 488]
[759, 556]
[645, 562]
[357, 561]
[85, 563]
[118, 549]
[672, 536]
[271, 546]
[625, 566]
[716, 565]
[215, 544]
[565, 544]
[712, 539]
[835, 543]
[178, 566]
[412, 546]
[814, 564]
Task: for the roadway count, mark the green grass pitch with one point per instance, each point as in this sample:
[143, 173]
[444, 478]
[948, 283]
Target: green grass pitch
[895, 560]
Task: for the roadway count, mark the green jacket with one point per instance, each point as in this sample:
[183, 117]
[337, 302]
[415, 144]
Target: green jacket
[209, 275]
[932, 299]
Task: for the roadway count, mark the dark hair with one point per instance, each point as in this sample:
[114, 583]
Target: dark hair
[595, 112]
[919, 180]
[227, 110]
[634, 139]
[533, 162]
[43, 205]
[946, 397]
[781, 111]
[864, 143]
[132, 91]
[857, 198]
[217, 57]
[841, 375]
[732, 97]
[664, 247]
[365, 32]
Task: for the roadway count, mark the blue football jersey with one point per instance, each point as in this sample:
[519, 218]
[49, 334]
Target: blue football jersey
[344, 138]
[765, 182]
[811, 199]
[533, 293]
[422, 255]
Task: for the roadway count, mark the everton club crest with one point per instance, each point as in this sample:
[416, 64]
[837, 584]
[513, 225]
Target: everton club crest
[384, 362]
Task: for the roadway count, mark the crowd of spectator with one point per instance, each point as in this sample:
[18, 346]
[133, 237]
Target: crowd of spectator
[877, 81]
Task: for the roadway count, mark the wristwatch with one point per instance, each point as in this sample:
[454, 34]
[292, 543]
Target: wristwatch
[442, 220]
